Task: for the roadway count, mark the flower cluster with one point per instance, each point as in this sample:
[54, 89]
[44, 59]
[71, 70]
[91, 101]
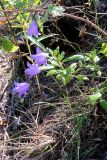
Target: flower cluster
[39, 59]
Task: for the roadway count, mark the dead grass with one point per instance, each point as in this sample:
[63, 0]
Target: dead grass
[43, 126]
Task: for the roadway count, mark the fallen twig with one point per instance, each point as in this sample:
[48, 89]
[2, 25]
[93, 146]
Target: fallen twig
[4, 89]
[86, 20]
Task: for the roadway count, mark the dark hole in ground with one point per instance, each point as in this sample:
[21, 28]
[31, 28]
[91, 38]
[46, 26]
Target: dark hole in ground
[73, 2]
[66, 31]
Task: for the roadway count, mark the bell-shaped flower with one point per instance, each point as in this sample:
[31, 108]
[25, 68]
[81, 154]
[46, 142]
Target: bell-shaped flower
[40, 57]
[32, 70]
[21, 88]
[33, 29]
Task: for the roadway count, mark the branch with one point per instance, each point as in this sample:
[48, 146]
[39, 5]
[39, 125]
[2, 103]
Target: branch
[23, 11]
[86, 21]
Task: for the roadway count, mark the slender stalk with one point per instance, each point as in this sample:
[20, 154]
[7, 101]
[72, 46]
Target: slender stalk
[26, 37]
[37, 79]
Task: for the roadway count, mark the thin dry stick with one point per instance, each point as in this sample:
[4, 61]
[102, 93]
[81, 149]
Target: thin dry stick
[98, 13]
[86, 21]
[24, 10]
[37, 79]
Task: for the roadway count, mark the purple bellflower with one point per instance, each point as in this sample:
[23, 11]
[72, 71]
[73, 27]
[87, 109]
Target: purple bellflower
[32, 70]
[33, 29]
[40, 57]
[21, 88]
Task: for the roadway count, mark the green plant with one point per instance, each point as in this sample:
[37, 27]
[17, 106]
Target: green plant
[98, 95]
[66, 68]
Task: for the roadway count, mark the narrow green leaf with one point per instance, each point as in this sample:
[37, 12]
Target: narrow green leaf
[41, 38]
[93, 98]
[54, 63]
[74, 58]
[34, 41]
[104, 49]
[93, 67]
[48, 67]
[67, 79]
[60, 57]
[55, 52]
[52, 72]
[103, 104]
[82, 77]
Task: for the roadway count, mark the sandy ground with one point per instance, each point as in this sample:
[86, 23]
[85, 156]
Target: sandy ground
[5, 74]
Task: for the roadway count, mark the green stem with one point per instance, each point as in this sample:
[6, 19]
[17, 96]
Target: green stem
[26, 38]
